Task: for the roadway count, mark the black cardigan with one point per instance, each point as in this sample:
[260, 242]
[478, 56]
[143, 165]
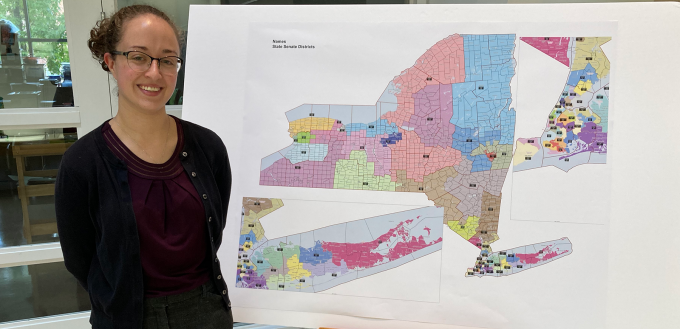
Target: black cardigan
[97, 228]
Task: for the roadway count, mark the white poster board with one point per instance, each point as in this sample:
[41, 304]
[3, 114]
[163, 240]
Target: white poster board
[349, 68]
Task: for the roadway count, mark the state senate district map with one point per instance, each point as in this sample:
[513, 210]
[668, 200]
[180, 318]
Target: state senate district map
[443, 127]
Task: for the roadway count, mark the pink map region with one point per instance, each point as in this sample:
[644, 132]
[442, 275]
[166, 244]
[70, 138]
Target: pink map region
[432, 117]
[443, 63]
[375, 152]
[362, 255]
[318, 174]
[536, 141]
[541, 256]
[419, 160]
[380, 155]
[556, 48]
[326, 136]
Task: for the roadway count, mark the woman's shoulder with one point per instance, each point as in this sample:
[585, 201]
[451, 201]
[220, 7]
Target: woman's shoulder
[83, 151]
[202, 135]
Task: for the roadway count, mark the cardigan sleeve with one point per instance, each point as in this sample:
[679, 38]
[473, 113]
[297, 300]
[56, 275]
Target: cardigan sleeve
[223, 178]
[76, 231]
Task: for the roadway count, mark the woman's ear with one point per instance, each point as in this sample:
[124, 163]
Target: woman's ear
[108, 60]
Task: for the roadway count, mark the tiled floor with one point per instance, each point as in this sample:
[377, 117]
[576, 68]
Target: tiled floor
[11, 220]
[39, 290]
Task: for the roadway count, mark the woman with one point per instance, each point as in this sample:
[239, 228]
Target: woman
[141, 201]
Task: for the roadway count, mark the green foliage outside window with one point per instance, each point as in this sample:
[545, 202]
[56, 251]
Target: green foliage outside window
[46, 22]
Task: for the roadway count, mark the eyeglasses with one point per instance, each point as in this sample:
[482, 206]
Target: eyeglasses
[140, 62]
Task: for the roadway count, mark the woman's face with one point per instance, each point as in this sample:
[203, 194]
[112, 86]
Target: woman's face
[146, 91]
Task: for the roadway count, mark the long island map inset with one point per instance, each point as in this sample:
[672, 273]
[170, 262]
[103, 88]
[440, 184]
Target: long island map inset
[444, 127]
[318, 260]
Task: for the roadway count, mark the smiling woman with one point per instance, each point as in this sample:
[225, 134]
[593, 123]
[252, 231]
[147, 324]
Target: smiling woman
[141, 200]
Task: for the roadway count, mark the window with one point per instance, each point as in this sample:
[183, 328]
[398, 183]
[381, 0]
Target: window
[29, 159]
[35, 70]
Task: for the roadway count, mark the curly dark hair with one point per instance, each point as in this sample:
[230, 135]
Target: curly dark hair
[106, 34]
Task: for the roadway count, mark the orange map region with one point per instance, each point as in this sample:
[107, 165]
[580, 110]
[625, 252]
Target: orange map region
[418, 160]
[444, 63]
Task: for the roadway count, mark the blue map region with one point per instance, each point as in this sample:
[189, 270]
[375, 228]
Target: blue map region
[508, 127]
[261, 267]
[490, 132]
[307, 152]
[484, 52]
[584, 75]
[380, 127]
[391, 139]
[307, 255]
[602, 110]
[481, 105]
[465, 140]
[247, 237]
[570, 138]
[464, 104]
[480, 163]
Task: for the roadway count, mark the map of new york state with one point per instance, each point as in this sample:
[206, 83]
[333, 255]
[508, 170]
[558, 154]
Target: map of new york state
[443, 127]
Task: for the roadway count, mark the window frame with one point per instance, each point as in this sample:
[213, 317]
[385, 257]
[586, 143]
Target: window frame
[93, 105]
[91, 88]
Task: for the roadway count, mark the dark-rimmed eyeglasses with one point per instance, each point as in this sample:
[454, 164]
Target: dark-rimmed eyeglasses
[140, 62]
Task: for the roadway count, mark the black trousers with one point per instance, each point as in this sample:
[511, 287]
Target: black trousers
[202, 307]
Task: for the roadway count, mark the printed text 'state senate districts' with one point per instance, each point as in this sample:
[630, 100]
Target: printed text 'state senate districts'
[282, 45]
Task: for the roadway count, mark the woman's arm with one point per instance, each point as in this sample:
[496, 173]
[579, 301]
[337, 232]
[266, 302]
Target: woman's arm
[76, 231]
[223, 178]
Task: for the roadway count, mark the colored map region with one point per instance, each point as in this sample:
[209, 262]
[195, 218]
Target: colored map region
[324, 258]
[575, 132]
[519, 259]
[443, 127]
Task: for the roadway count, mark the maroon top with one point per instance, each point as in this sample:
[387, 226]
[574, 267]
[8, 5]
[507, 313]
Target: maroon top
[170, 219]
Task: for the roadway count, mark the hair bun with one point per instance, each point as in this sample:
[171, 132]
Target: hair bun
[107, 32]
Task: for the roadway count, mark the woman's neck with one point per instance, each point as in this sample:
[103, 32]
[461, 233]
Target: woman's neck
[143, 125]
[150, 136]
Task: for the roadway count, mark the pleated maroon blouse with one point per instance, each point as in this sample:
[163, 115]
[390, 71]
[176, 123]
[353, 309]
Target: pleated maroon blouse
[170, 219]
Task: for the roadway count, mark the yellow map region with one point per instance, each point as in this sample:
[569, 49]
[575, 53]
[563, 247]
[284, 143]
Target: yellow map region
[309, 124]
[295, 269]
[524, 150]
[468, 230]
[587, 52]
[583, 87]
[251, 221]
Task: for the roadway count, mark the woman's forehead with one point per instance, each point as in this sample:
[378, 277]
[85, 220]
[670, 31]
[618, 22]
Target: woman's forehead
[149, 31]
